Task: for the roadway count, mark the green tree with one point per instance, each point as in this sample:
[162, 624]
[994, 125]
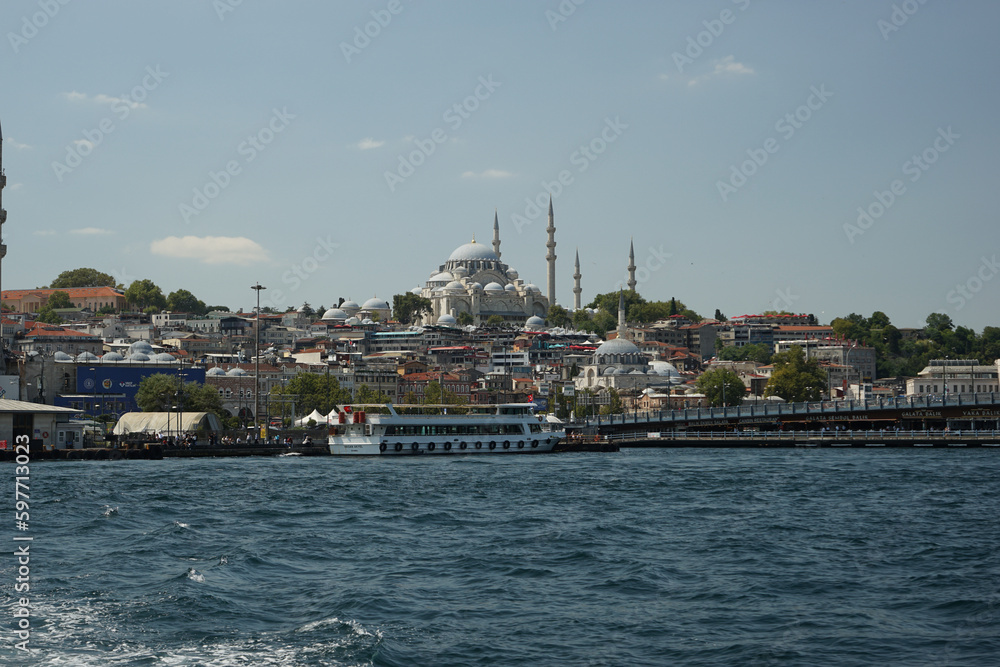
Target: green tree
[59, 299]
[365, 394]
[722, 386]
[495, 321]
[465, 319]
[83, 278]
[315, 391]
[182, 301]
[434, 393]
[795, 378]
[557, 316]
[47, 315]
[144, 294]
[719, 316]
[307, 310]
[759, 352]
[615, 406]
[162, 392]
[407, 307]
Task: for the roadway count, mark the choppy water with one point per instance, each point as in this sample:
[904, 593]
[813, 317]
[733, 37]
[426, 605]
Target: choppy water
[645, 557]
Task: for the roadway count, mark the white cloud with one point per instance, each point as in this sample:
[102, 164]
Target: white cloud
[103, 99]
[90, 231]
[489, 173]
[15, 145]
[368, 144]
[728, 65]
[722, 67]
[15, 186]
[211, 249]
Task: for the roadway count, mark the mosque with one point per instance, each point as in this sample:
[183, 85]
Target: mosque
[475, 281]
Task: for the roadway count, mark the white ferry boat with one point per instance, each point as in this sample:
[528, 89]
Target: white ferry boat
[509, 428]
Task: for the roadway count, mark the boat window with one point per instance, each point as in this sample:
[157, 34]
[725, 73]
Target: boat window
[535, 428]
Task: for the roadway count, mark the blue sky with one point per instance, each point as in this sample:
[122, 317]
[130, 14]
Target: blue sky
[213, 145]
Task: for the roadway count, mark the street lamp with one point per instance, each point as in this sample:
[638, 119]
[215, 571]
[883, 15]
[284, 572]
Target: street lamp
[256, 351]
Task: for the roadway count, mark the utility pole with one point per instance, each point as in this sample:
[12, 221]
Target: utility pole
[256, 373]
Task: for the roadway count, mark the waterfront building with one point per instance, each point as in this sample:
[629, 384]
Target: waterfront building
[954, 377]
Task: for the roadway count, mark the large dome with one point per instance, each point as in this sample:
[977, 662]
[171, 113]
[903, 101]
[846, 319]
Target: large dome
[473, 251]
[614, 347]
[375, 303]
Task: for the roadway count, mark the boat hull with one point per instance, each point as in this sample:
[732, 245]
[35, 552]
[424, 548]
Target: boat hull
[540, 443]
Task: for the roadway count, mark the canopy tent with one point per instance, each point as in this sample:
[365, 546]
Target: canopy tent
[166, 422]
[315, 415]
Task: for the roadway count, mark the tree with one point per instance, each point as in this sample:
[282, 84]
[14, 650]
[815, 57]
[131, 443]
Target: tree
[407, 307]
[307, 310]
[719, 316]
[494, 321]
[465, 319]
[83, 278]
[365, 394]
[434, 393]
[722, 386]
[615, 406]
[557, 316]
[795, 378]
[47, 315]
[162, 392]
[182, 301]
[759, 352]
[59, 299]
[315, 391]
[143, 294]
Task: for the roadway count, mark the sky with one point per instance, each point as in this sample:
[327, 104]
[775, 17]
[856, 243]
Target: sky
[820, 157]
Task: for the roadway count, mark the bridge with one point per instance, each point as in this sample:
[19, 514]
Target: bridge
[754, 439]
[956, 412]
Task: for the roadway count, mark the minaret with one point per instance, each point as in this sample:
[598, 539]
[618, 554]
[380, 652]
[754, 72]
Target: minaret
[496, 234]
[577, 290]
[621, 314]
[631, 266]
[550, 256]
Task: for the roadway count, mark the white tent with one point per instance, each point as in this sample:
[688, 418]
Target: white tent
[315, 415]
[166, 422]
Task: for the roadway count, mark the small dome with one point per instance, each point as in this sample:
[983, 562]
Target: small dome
[367, 321]
[616, 346]
[455, 285]
[447, 320]
[460, 272]
[535, 321]
[531, 287]
[352, 322]
[493, 287]
[375, 304]
[512, 274]
[236, 371]
[510, 287]
[476, 286]
[139, 356]
[86, 356]
[214, 371]
[335, 314]
[442, 277]
[663, 368]
[472, 251]
[112, 356]
[61, 356]
[140, 346]
[164, 358]
[417, 291]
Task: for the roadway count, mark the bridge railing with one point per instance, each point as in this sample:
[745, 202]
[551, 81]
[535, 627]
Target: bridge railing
[776, 409]
[806, 436]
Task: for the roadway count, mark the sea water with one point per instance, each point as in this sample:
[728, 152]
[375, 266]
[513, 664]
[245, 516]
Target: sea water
[642, 557]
